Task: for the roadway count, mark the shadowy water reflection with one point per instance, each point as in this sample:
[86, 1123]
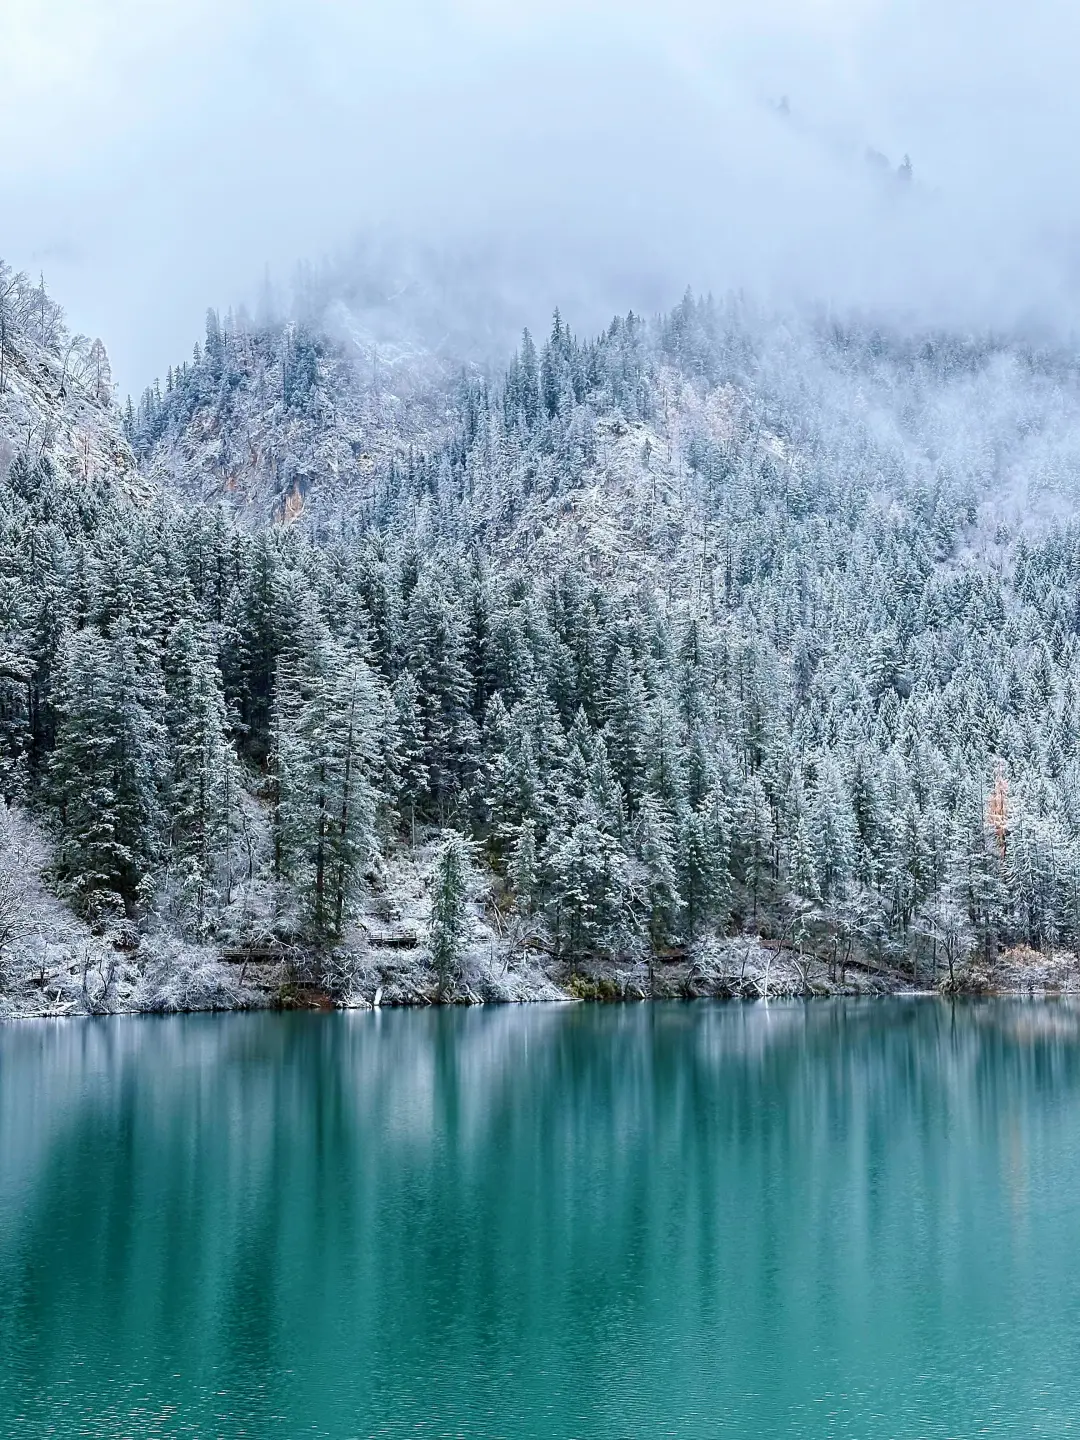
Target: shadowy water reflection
[844, 1219]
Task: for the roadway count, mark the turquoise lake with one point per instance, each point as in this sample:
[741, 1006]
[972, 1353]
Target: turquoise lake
[842, 1219]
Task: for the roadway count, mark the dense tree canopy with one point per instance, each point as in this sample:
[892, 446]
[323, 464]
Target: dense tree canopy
[684, 626]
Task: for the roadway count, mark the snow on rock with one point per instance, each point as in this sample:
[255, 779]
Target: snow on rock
[56, 395]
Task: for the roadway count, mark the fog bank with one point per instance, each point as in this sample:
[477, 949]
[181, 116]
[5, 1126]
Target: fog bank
[155, 159]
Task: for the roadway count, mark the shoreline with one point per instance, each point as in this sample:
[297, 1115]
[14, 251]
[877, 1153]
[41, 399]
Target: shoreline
[345, 1007]
[159, 975]
[313, 1000]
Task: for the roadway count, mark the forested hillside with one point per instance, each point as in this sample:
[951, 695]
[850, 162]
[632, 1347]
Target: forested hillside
[718, 624]
[360, 369]
[261, 416]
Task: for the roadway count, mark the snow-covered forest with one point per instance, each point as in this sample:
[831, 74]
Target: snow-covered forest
[720, 625]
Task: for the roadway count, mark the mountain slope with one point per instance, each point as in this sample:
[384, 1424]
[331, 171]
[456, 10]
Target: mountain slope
[717, 629]
[861, 534]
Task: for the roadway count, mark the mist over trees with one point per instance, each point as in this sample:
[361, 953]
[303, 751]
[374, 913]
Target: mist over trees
[729, 146]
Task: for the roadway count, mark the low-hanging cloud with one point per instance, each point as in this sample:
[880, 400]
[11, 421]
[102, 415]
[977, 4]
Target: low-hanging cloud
[153, 158]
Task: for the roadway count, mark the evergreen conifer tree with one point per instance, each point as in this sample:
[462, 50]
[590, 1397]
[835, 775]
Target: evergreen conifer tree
[449, 909]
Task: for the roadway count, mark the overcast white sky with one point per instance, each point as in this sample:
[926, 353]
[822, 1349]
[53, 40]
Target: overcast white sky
[155, 154]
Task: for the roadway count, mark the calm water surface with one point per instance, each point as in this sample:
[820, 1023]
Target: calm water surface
[841, 1219]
